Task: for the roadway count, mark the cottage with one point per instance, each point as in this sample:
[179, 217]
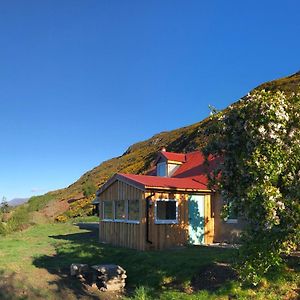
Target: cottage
[171, 206]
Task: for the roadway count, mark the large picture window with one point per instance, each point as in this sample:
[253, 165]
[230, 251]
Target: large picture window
[120, 210]
[133, 210]
[166, 211]
[108, 210]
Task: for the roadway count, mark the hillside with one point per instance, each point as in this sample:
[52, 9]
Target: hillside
[138, 158]
[17, 201]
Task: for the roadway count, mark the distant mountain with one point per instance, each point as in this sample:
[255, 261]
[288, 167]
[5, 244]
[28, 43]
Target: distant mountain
[140, 156]
[17, 201]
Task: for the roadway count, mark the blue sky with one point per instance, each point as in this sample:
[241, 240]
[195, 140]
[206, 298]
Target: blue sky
[82, 80]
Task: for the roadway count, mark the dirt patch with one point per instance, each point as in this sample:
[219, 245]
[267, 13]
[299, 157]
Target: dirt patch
[55, 208]
[211, 277]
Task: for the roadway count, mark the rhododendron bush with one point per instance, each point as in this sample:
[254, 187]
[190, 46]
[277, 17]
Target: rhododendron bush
[259, 141]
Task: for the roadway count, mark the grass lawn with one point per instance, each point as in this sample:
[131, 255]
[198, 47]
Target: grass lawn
[34, 264]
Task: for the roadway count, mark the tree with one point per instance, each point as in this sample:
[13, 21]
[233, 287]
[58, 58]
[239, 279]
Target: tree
[259, 141]
[4, 205]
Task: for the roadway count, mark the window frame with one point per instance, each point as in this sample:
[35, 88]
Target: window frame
[114, 219]
[165, 167]
[158, 221]
[103, 210]
[127, 212]
[229, 220]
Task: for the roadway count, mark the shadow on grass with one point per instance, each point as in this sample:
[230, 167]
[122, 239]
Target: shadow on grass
[157, 269]
[10, 289]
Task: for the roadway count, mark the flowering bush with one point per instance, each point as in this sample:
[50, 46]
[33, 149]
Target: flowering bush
[259, 140]
[61, 219]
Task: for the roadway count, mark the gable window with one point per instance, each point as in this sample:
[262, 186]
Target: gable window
[120, 214]
[107, 210]
[172, 169]
[166, 211]
[133, 207]
[161, 169]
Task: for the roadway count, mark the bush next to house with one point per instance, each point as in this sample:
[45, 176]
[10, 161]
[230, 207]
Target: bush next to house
[259, 141]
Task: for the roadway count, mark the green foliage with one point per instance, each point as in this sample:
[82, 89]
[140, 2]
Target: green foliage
[37, 203]
[21, 216]
[3, 228]
[4, 208]
[19, 220]
[142, 293]
[259, 142]
[89, 188]
[84, 219]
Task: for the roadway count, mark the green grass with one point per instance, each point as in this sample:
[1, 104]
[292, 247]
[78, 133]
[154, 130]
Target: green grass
[37, 203]
[34, 264]
[84, 219]
[22, 216]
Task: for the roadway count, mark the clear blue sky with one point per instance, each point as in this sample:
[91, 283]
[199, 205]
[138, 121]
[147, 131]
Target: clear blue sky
[82, 80]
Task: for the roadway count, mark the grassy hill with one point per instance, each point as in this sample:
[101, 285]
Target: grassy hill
[75, 199]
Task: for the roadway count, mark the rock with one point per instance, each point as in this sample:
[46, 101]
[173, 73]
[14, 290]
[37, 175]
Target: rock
[107, 277]
[78, 269]
[94, 286]
[110, 277]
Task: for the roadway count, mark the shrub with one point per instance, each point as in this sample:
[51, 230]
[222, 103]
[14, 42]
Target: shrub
[61, 219]
[19, 220]
[259, 141]
[89, 189]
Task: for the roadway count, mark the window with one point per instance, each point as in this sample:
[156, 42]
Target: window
[120, 210]
[161, 169]
[172, 169]
[166, 211]
[107, 210]
[232, 214]
[133, 210]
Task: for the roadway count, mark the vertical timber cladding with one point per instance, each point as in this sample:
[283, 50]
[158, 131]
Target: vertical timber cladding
[209, 220]
[169, 235]
[123, 234]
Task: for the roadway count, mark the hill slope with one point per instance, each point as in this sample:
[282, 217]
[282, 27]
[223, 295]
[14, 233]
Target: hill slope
[17, 201]
[139, 156]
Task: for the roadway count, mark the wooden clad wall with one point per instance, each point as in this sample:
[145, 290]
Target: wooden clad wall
[162, 236]
[223, 231]
[169, 235]
[121, 233]
[209, 222]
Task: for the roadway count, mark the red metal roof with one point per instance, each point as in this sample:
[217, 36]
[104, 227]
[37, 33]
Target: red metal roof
[146, 181]
[190, 175]
[180, 157]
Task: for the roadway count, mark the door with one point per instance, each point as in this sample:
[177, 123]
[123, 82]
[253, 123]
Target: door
[196, 219]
